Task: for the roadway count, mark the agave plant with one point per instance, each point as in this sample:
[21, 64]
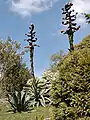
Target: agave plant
[38, 93]
[19, 101]
[37, 89]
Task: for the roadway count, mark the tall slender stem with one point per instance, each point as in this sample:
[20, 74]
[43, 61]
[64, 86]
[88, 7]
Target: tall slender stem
[31, 40]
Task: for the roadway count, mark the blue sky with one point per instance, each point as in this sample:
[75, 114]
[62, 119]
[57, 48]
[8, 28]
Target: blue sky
[16, 16]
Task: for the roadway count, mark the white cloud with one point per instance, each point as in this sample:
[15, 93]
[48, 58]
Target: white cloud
[28, 7]
[81, 6]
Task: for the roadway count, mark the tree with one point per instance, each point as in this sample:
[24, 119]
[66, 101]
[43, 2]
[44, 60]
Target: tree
[57, 57]
[71, 88]
[15, 74]
[69, 20]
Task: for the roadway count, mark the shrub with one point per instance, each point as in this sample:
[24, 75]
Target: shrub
[71, 89]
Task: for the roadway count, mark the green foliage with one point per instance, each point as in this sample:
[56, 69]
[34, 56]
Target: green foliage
[14, 71]
[71, 89]
[15, 74]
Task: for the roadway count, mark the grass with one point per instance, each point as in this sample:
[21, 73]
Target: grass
[41, 112]
[44, 112]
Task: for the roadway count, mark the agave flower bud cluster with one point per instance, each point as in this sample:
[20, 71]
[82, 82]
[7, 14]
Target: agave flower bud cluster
[69, 20]
[31, 37]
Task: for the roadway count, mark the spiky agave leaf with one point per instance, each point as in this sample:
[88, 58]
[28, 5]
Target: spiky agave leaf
[20, 101]
[38, 93]
[15, 99]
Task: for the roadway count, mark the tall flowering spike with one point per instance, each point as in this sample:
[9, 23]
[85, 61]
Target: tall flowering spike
[69, 20]
[31, 40]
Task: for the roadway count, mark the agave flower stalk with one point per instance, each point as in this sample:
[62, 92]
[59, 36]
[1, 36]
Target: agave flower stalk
[69, 21]
[31, 40]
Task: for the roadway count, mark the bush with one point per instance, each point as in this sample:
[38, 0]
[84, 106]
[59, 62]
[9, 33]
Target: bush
[14, 75]
[71, 89]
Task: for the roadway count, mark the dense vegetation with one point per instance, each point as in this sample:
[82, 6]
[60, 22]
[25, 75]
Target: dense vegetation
[71, 89]
[15, 74]
[63, 92]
